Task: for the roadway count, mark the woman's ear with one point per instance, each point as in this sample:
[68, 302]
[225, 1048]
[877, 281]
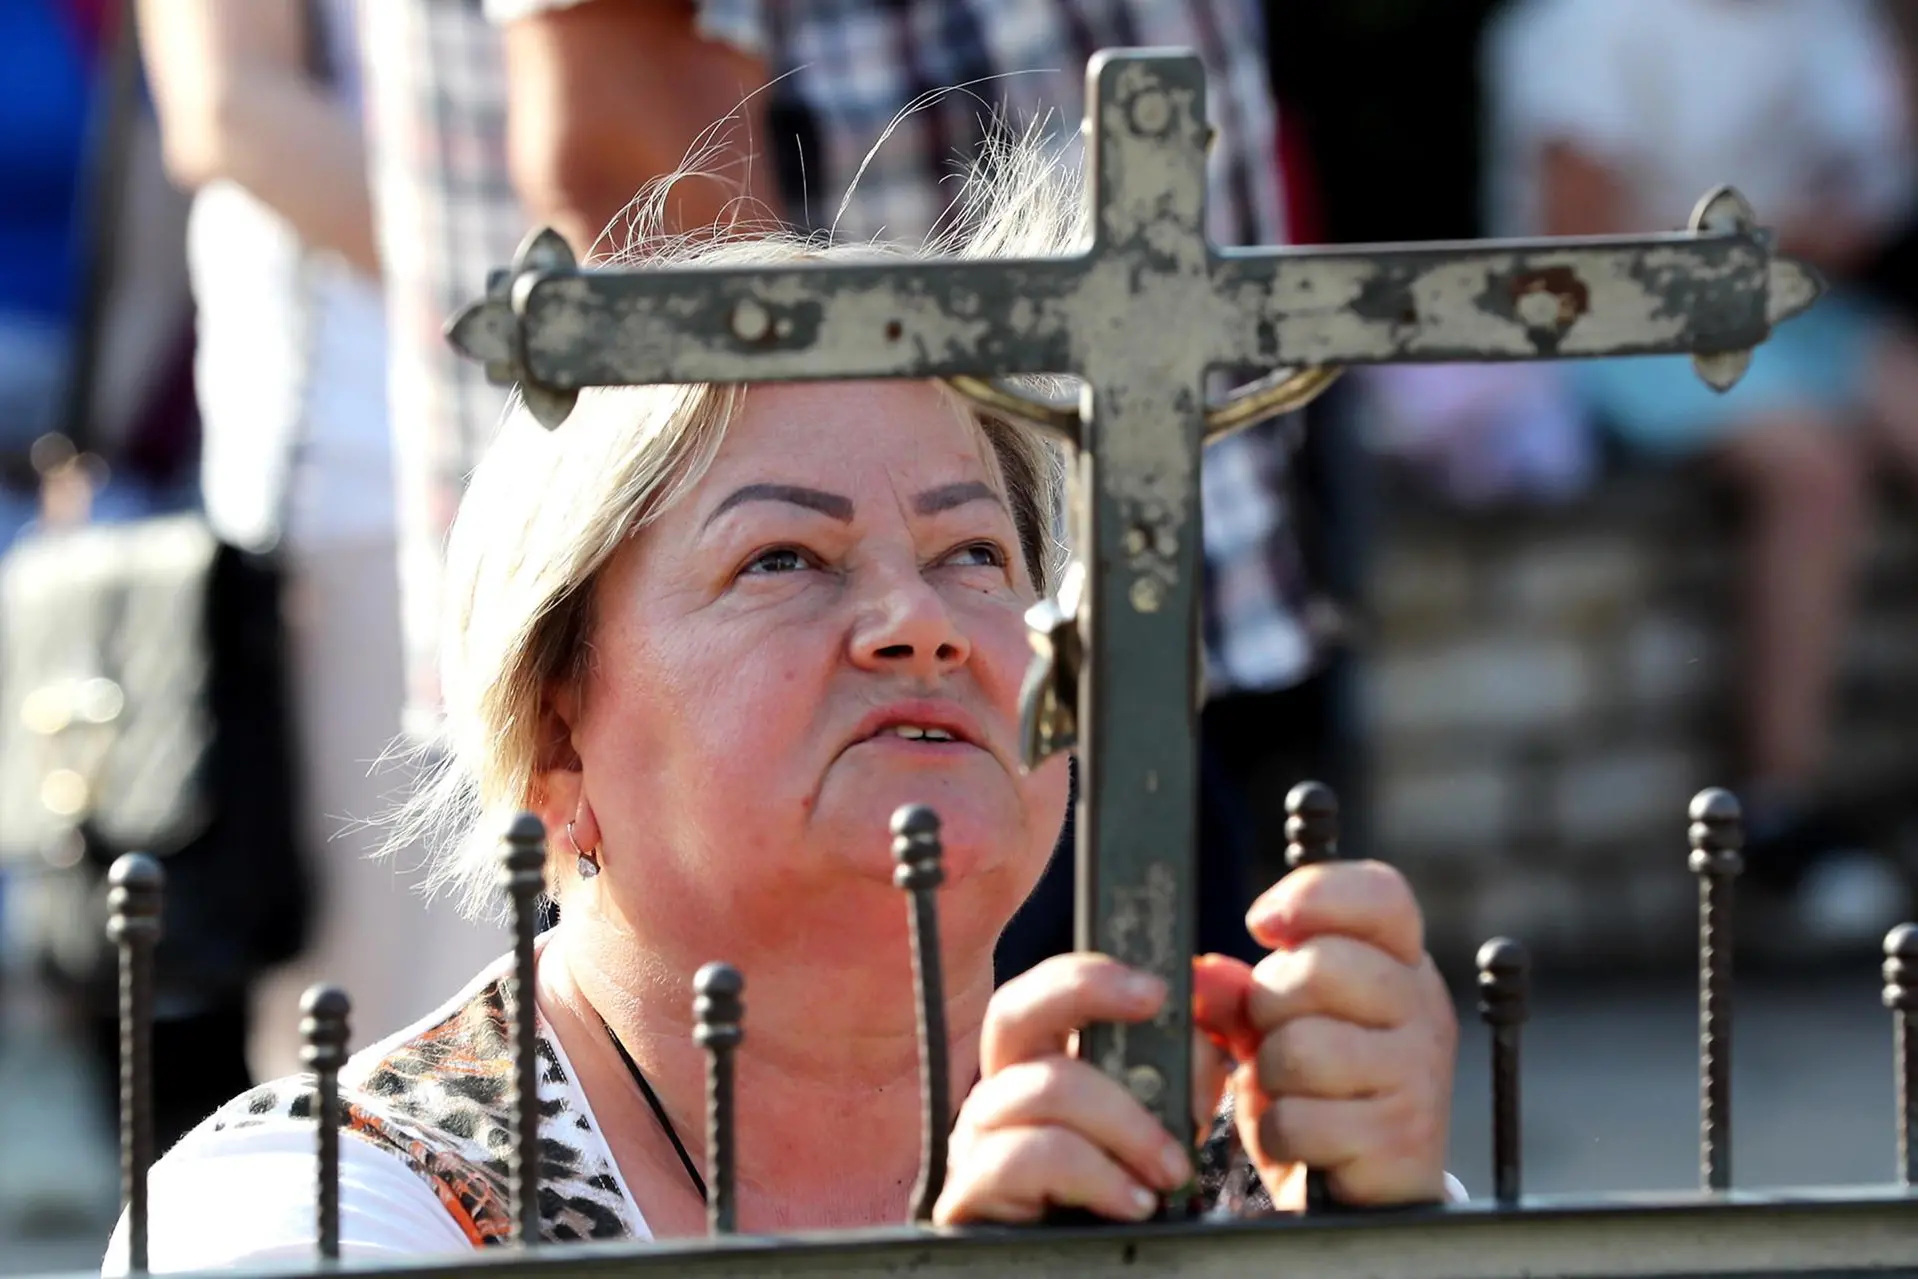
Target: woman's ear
[557, 772]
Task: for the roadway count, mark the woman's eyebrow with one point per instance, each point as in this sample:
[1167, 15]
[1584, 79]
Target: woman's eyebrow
[947, 496]
[831, 505]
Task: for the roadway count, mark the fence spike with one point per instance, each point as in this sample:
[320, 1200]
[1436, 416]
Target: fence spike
[1312, 836]
[1901, 996]
[718, 1015]
[917, 850]
[523, 876]
[324, 1031]
[1504, 980]
[1716, 836]
[136, 894]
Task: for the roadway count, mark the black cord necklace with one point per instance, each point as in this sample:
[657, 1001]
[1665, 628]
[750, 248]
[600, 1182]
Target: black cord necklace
[659, 1112]
[666, 1120]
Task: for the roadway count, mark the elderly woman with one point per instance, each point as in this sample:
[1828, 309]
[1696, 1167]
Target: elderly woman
[714, 638]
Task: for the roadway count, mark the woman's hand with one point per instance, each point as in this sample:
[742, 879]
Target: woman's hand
[1344, 1035]
[1043, 1129]
[1338, 1046]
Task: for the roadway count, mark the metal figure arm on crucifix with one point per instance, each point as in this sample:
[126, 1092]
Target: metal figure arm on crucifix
[1140, 317]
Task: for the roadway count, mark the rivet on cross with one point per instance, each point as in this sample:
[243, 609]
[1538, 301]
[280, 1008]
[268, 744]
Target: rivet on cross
[1141, 316]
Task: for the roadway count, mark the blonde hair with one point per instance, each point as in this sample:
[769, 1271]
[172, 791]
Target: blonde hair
[545, 512]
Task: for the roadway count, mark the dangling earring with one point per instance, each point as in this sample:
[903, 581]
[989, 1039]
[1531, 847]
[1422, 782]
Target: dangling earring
[588, 863]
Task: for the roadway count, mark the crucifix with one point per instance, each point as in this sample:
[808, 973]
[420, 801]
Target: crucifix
[1143, 315]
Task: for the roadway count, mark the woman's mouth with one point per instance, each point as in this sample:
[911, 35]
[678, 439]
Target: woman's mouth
[917, 733]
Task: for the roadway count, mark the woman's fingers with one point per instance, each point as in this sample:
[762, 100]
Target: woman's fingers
[1015, 1174]
[1334, 976]
[1384, 1149]
[1325, 1057]
[1035, 1013]
[1366, 901]
[1356, 1039]
[1060, 1092]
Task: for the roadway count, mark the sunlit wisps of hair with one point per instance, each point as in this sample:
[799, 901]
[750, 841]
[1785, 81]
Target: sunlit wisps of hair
[545, 511]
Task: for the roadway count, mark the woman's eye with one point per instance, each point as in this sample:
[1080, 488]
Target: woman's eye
[978, 555]
[779, 559]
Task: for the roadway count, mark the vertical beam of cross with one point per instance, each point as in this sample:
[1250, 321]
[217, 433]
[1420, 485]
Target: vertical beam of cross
[1143, 368]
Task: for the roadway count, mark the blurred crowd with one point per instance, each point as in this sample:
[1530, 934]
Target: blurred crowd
[232, 230]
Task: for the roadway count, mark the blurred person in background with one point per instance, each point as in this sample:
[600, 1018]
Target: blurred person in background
[1614, 116]
[48, 49]
[260, 107]
[777, 108]
[45, 94]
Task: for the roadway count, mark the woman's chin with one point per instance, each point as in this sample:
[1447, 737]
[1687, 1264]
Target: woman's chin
[974, 834]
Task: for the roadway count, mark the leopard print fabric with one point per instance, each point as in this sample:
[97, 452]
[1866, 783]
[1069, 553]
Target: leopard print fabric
[1229, 1186]
[438, 1101]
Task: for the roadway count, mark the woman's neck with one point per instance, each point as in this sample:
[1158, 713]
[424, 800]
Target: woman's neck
[827, 1078]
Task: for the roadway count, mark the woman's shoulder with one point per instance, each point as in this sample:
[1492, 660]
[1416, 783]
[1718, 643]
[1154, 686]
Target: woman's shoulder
[436, 1100]
[244, 1196]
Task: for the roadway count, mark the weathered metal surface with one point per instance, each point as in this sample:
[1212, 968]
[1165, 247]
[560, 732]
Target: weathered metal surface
[1680, 292]
[1872, 1232]
[1141, 314]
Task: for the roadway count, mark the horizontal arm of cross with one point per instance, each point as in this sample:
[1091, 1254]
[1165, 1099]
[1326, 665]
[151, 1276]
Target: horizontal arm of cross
[1505, 300]
[550, 325]
[897, 318]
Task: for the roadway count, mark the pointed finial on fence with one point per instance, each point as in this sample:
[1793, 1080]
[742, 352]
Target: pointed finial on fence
[136, 894]
[1311, 825]
[1504, 979]
[1716, 836]
[523, 877]
[323, 1036]
[917, 852]
[718, 1016]
[1901, 996]
[1312, 836]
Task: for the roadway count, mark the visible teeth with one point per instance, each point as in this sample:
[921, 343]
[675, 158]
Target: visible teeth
[914, 733]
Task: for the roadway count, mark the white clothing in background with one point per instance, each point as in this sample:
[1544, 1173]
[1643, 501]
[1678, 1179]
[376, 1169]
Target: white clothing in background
[1780, 98]
[291, 370]
[291, 377]
[375, 935]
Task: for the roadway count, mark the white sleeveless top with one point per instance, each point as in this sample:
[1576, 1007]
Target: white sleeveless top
[291, 364]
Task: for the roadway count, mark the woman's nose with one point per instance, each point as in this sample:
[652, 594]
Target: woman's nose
[905, 625]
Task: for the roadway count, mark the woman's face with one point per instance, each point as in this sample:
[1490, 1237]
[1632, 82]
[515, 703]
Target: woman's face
[827, 626]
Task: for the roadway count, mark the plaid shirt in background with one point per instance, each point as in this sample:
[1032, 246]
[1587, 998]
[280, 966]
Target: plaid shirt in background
[446, 213]
[844, 69]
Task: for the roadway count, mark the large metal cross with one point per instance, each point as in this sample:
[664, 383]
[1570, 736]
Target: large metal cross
[1142, 316]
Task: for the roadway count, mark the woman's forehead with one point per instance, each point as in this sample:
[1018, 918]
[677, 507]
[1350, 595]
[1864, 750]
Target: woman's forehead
[843, 430]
